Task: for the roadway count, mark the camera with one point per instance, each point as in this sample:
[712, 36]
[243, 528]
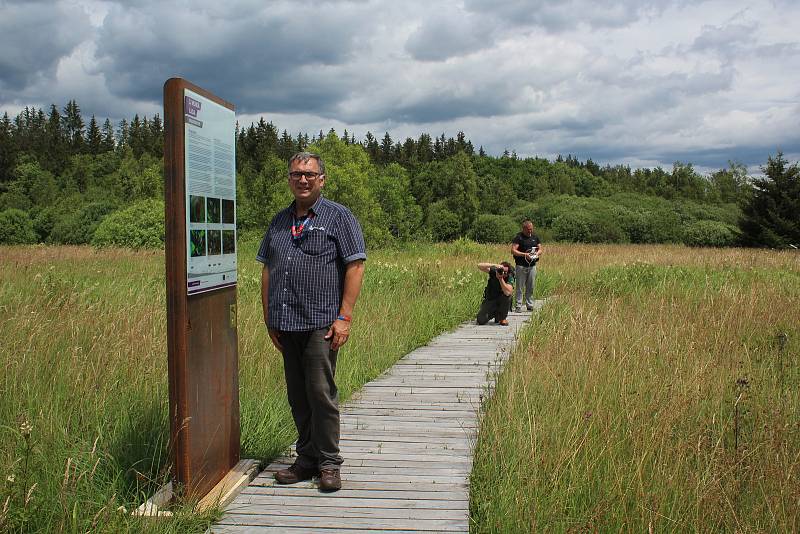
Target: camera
[494, 270]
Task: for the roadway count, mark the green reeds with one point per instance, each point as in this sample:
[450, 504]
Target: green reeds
[659, 391]
[83, 388]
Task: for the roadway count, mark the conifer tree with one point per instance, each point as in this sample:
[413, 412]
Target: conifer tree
[408, 154]
[73, 127]
[386, 149]
[424, 148]
[451, 148]
[286, 146]
[371, 146]
[772, 216]
[156, 147]
[108, 136]
[20, 129]
[135, 136]
[123, 135]
[94, 139]
[7, 149]
[38, 134]
[438, 149]
[56, 158]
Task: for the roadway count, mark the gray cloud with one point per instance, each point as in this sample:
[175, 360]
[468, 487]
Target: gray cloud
[266, 60]
[448, 36]
[34, 36]
[559, 16]
[615, 80]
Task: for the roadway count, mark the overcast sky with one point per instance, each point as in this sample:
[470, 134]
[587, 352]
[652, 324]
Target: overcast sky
[643, 82]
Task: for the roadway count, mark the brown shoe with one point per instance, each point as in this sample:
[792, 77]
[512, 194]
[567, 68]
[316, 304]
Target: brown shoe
[329, 480]
[503, 322]
[294, 474]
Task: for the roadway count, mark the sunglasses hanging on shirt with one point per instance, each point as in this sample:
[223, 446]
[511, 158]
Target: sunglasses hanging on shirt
[298, 227]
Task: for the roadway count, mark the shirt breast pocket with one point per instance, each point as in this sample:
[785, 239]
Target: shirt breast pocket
[315, 243]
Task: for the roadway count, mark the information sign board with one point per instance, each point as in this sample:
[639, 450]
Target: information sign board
[210, 137]
[200, 257]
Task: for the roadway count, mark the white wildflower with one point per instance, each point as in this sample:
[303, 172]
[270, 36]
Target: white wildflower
[25, 428]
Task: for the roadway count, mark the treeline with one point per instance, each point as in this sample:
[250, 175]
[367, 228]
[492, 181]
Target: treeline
[65, 181]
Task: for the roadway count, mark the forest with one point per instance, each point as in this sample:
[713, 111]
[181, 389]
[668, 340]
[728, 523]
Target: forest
[63, 181]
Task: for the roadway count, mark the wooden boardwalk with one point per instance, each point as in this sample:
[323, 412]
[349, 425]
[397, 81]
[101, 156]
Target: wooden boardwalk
[407, 440]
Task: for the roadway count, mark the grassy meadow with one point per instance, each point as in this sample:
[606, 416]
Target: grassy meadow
[658, 391]
[658, 387]
[83, 389]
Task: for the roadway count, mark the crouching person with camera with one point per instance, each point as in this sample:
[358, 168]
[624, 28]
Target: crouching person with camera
[497, 295]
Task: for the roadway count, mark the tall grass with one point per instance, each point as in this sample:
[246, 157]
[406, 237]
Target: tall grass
[659, 390]
[83, 388]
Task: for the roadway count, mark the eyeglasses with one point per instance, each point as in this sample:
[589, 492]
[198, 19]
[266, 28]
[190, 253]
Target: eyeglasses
[310, 176]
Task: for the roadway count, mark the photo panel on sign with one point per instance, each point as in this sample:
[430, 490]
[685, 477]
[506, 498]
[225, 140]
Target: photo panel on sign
[228, 242]
[214, 242]
[228, 211]
[213, 209]
[197, 209]
[198, 243]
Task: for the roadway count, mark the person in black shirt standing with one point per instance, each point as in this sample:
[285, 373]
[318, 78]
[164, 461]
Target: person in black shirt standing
[497, 295]
[526, 249]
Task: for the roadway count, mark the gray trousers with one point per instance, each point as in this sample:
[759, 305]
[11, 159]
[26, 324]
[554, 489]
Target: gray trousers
[309, 366]
[526, 276]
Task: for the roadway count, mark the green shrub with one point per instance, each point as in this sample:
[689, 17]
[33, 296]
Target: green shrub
[16, 228]
[43, 223]
[690, 211]
[604, 229]
[139, 226]
[710, 234]
[78, 227]
[460, 248]
[444, 225]
[572, 226]
[584, 227]
[493, 229]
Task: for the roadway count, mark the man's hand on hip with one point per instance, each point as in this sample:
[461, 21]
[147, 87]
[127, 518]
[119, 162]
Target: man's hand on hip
[338, 333]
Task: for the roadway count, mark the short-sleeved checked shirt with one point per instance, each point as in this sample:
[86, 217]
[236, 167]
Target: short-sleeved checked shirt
[306, 275]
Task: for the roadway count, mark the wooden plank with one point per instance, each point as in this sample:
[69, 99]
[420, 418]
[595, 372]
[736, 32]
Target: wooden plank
[421, 462]
[250, 504]
[247, 529]
[231, 484]
[428, 418]
[443, 390]
[372, 493]
[393, 413]
[477, 380]
[425, 426]
[434, 525]
[371, 485]
[382, 435]
[443, 470]
[286, 509]
[400, 448]
[445, 427]
[381, 430]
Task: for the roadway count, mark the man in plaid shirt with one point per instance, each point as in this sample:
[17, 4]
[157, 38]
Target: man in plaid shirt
[313, 255]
